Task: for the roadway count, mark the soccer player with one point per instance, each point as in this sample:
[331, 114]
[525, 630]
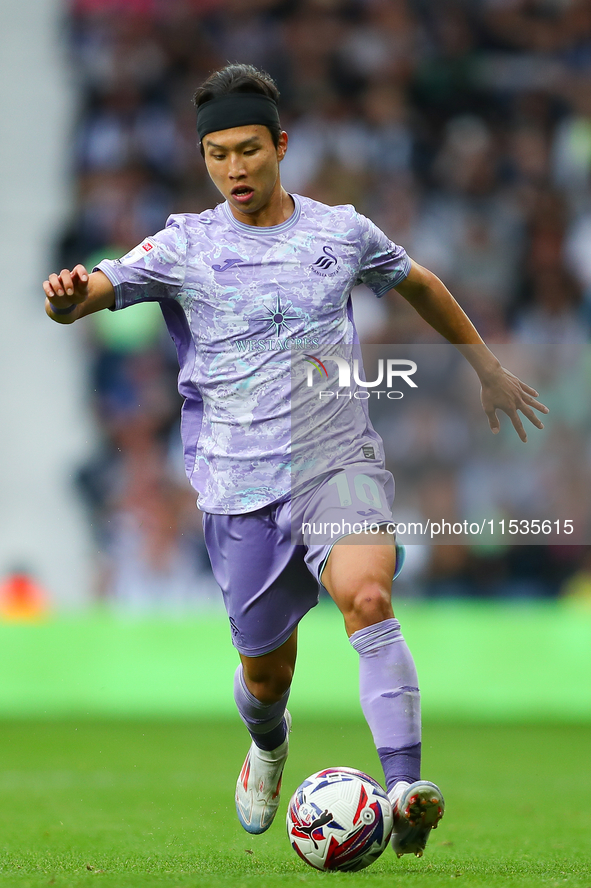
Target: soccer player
[246, 289]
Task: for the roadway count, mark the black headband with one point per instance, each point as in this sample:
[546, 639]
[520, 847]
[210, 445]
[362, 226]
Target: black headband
[236, 109]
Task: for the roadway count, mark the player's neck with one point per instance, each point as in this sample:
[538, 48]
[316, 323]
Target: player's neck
[276, 211]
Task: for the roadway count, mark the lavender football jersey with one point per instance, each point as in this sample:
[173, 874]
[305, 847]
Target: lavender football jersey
[240, 302]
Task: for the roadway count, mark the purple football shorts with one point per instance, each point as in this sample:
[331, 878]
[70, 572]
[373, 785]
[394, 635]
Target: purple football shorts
[269, 562]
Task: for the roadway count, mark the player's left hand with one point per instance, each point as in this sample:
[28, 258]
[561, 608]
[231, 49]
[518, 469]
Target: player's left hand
[504, 391]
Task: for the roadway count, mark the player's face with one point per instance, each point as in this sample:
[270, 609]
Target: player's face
[243, 164]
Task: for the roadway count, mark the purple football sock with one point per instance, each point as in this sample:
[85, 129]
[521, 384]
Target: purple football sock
[265, 722]
[390, 699]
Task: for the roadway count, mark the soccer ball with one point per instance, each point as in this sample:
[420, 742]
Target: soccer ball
[339, 819]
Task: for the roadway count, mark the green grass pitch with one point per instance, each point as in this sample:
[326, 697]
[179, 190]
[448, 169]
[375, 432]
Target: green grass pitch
[124, 804]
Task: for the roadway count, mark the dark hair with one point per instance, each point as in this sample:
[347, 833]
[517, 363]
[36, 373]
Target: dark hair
[236, 79]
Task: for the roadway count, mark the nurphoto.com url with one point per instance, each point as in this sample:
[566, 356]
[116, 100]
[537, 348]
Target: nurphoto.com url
[432, 529]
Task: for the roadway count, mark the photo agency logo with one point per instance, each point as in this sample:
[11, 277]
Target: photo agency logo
[347, 382]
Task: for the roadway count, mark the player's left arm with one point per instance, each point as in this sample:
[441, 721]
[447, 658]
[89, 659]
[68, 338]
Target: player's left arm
[500, 389]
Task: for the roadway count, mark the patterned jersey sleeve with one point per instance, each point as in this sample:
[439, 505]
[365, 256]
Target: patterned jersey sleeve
[153, 271]
[383, 263]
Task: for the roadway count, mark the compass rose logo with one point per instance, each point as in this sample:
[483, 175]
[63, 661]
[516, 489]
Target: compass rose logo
[277, 318]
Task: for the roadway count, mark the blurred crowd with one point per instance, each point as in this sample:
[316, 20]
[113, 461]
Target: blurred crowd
[461, 127]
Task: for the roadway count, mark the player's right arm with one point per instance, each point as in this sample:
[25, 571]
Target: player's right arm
[74, 294]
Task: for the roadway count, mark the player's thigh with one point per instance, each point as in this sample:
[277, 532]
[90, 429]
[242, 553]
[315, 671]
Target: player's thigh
[348, 532]
[358, 576]
[269, 676]
[266, 586]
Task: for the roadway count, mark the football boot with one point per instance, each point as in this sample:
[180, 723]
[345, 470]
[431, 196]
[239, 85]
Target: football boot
[417, 807]
[259, 785]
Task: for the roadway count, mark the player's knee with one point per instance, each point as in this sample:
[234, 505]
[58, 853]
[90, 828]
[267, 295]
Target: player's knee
[269, 687]
[371, 604]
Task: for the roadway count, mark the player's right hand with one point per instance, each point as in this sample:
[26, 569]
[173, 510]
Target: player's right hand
[65, 289]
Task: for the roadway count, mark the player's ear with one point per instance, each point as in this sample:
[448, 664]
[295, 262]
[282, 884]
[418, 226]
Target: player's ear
[282, 146]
